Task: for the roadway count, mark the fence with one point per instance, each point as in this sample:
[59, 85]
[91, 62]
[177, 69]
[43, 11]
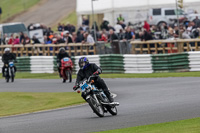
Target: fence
[49, 49]
[194, 58]
[165, 46]
[101, 48]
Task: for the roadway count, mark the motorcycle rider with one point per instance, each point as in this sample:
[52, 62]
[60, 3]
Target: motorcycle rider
[7, 56]
[62, 54]
[86, 70]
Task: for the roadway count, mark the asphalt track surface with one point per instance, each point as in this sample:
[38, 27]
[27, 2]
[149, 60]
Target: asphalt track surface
[142, 101]
[48, 13]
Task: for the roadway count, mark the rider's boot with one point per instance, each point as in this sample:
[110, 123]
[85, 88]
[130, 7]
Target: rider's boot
[109, 96]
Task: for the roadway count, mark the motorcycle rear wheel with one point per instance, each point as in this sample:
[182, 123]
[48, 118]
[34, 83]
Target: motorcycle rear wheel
[98, 109]
[68, 75]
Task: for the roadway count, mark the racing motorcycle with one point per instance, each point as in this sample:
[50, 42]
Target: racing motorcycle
[96, 98]
[66, 69]
[10, 71]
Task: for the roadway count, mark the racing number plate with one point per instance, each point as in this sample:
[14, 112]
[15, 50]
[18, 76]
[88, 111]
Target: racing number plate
[84, 86]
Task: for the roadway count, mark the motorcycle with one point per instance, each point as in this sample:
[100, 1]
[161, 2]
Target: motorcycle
[66, 69]
[9, 71]
[96, 98]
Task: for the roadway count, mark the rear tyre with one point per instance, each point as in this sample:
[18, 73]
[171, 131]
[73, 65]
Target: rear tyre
[112, 110]
[98, 109]
[7, 79]
[70, 76]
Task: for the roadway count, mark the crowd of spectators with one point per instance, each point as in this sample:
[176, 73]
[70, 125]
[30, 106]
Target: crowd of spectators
[106, 32]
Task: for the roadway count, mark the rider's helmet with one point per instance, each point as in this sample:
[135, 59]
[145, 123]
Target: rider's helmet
[83, 62]
[7, 50]
[62, 50]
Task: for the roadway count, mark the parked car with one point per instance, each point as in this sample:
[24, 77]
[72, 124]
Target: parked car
[158, 16]
[10, 28]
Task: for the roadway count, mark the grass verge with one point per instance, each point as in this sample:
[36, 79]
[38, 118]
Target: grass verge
[183, 126]
[13, 7]
[151, 75]
[12, 103]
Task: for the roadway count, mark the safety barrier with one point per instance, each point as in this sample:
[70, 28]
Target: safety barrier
[113, 63]
[170, 62]
[137, 64]
[194, 58]
[42, 64]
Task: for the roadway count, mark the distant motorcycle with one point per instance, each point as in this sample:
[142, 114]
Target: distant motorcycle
[66, 69]
[9, 71]
[97, 98]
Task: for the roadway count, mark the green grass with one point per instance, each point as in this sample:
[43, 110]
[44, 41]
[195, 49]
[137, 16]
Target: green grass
[71, 18]
[151, 75]
[13, 7]
[12, 103]
[184, 126]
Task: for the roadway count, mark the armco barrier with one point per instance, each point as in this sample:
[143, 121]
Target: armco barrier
[170, 62]
[137, 64]
[194, 58]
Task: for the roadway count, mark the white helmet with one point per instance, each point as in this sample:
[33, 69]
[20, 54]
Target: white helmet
[6, 49]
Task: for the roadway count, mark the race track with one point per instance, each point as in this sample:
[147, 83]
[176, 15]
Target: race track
[142, 101]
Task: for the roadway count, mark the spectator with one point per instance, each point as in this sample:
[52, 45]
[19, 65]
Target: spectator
[74, 37]
[120, 18]
[80, 35]
[68, 38]
[105, 24]
[16, 40]
[35, 40]
[60, 27]
[5, 39]
[47, 40]
[122, 24]
[103, 37]
[88, 38]
[110, 27]
[11, 40]
[85, 21]
[26, 40]
[21, 37]
[129, 35]
[146, 26]
[197, 21]
[112, 36]
[60, 40]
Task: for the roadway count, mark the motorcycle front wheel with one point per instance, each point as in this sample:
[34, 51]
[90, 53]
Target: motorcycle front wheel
[96, 106]
[112, 110]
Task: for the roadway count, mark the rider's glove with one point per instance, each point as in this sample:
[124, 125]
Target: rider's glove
[96, 73]
[75, 88]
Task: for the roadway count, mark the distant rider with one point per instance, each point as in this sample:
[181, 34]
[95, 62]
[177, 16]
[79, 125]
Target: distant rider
[7, 56]
[62, 54]
[88, 69]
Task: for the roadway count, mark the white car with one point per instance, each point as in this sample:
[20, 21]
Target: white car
[157, 16]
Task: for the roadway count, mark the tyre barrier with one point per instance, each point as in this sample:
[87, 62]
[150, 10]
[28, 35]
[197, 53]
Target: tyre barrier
[116, 63]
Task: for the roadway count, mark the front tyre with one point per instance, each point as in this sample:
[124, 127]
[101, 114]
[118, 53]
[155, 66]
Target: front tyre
[97, 108]
[112, 110]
